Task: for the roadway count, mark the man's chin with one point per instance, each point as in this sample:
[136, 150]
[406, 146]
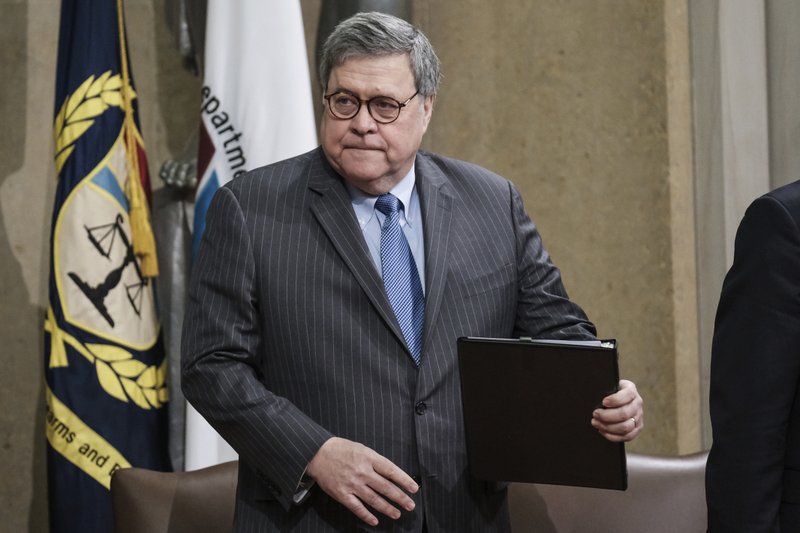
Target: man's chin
[363, 169]
[357, 156]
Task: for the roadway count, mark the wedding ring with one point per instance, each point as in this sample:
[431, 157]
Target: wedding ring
[634, 421]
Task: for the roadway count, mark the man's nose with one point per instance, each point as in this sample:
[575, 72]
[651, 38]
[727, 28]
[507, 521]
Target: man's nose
[363, 122]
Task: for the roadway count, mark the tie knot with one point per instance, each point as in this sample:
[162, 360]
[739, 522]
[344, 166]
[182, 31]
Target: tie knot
[388, 204]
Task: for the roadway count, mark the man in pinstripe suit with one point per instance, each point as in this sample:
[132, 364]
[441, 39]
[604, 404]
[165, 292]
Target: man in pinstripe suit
[291, 347]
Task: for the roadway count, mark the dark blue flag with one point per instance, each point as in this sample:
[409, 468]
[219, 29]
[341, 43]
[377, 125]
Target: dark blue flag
[104, 363]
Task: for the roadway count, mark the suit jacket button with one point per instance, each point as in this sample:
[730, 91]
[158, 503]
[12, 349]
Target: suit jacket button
[420, 408]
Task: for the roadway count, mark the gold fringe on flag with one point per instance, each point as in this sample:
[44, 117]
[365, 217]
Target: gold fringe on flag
[144, 245]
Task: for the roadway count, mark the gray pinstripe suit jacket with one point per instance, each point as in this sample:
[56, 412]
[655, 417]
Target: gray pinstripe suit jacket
[289, 338]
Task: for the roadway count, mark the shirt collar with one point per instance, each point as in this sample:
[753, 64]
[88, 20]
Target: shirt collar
[364, 204]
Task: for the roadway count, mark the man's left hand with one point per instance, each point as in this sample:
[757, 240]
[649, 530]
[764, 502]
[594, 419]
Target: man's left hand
[622, 416]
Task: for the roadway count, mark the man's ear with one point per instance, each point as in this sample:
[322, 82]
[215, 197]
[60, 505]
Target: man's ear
[427, 109]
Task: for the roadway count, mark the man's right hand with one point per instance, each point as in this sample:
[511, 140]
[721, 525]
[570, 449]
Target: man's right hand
[355, 475]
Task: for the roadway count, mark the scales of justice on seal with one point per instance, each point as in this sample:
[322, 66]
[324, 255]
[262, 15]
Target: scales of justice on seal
[104, 237]
[101, 285]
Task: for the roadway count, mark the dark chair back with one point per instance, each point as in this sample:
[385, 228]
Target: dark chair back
[145, 501]
[665, 495]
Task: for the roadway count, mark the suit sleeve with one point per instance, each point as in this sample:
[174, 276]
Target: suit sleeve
[755, 367]
[543, 308]
[221, 357]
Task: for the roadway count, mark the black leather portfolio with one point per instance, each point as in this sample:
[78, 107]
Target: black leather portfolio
[528, 406]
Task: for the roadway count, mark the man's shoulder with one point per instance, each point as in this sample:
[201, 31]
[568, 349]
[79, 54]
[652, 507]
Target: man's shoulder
[459, 171]
[788, 195]
[771, 217]
[784, 199]
[280, 174]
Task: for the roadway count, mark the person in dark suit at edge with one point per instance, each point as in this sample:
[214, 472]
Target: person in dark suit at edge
[753, 469]
[341, 397]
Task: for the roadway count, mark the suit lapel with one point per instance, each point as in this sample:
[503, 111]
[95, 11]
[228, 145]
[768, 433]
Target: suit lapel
[332, 207]
[436, 201]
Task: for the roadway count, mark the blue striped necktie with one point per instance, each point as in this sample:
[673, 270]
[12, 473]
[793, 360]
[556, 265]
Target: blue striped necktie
[400, 276]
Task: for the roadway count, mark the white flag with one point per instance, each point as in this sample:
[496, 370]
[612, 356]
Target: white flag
[256, 109]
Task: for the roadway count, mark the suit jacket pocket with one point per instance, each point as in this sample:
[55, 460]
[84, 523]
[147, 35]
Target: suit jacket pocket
[485, 282]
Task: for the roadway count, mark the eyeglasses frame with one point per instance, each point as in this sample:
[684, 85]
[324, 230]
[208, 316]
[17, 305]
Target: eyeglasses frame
[361, 101]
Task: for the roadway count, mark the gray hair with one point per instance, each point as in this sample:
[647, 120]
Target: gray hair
[379, 34]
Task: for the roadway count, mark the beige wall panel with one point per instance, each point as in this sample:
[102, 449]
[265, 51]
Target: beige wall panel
[27, 62]
[688, 388]
[568, 100]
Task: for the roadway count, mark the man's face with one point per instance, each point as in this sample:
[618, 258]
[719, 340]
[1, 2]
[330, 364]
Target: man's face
[367, 154]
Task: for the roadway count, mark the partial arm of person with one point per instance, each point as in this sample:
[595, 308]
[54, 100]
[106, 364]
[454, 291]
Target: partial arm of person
[545, 311]
[221, 357]
[755, 367]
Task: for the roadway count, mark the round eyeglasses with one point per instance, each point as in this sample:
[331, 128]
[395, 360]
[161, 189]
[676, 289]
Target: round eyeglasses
[382, 109]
